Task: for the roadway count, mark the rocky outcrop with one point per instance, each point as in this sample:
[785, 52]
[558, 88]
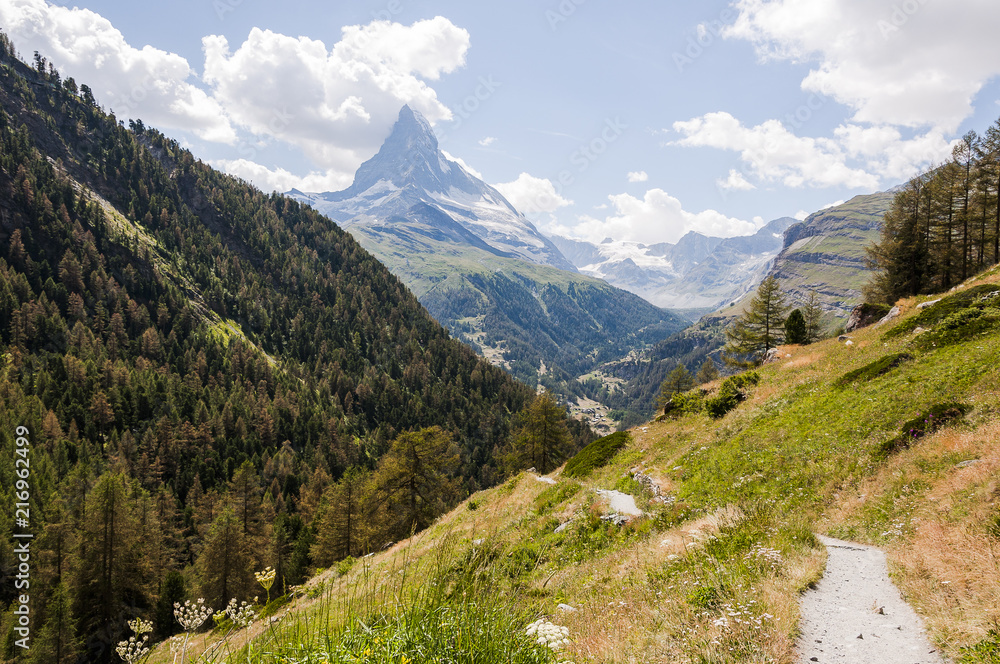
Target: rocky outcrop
[864, 315]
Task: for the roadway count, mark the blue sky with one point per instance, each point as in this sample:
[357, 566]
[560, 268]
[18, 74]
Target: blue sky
[636, 119]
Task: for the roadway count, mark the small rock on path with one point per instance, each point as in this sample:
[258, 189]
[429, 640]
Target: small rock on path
[856, 615]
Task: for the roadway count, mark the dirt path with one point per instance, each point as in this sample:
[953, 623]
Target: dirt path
[856, 615]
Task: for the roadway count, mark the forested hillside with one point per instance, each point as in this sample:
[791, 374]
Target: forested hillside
[943, 226]
[197, 365]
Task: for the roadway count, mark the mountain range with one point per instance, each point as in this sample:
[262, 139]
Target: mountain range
[699, 272]
[482, 269]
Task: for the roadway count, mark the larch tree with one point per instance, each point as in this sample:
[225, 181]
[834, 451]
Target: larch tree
[759, 329]
[708, 372]
[542, 439]
[342, 518]
[813, 314]
[677, 381]
[415, 481]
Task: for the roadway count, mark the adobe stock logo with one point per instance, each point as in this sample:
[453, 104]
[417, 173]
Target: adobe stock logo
[706, 35]
[900, 16]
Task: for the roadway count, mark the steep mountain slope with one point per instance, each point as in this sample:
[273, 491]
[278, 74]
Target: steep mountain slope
[714, 568]
[482, 269]
[189, 364]
[826, 252]
[698, 273]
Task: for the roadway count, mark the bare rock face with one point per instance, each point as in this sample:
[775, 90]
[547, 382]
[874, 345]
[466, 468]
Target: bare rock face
[864, 315]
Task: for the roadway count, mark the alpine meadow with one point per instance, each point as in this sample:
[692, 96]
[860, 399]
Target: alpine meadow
[573, 333]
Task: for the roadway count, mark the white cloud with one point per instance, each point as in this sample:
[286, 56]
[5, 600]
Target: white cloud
[531, 195]
[735, 181]
[336, 104]
[801, 215]
[488, 141]
[917, 64]
[656, 217]
[281, 180]
[146, 83]
[638, 176]
[774, 153]
[461, 162]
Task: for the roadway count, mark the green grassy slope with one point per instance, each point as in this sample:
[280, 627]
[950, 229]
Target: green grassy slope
[826, 252]
[714, 569]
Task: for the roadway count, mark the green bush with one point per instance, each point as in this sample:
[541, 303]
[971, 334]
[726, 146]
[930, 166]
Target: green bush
[731, 393]
[935, 418]
[979, 297]
[599, 453]
[877, 368]
[685, 403]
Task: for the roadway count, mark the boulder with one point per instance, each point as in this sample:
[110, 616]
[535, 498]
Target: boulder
[864, 315]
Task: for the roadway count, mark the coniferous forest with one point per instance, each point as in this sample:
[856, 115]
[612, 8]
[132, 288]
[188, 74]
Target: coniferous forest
[213, 380]
[943, 226]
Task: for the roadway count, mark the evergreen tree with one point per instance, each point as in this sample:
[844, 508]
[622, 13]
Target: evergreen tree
[759, 329]
[813, 314]
[340, 529]
[542, 439]
[677, 381]
[708, 372]
[415, 481]
[225, 566]
[795, 328]
[114, 572]
[56, 642]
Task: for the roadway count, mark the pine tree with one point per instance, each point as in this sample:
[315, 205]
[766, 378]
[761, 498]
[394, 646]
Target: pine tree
[759, 329]
[677, 381]
[795, 328]
[708, 372]
[542, 439]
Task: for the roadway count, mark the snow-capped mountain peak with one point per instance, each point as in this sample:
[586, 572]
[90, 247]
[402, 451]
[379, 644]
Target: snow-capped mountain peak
[410, 174]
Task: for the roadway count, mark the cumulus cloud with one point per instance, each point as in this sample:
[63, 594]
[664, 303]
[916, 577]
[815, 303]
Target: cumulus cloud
[915, 64]
[146, 83]
[656, 217]
[774, 153]
[281, 180]
[488, 141]
[531, 195]
[735, 181]
[336, 104]
[638, 176]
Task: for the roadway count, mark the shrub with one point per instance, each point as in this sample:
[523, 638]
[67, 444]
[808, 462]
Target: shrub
[979, 297]
[877, 368]
[599, 453]
[936, 417]
[685, 403]
[731, 393]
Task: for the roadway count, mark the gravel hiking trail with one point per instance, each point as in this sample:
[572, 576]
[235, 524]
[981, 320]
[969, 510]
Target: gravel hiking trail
[856, 615]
